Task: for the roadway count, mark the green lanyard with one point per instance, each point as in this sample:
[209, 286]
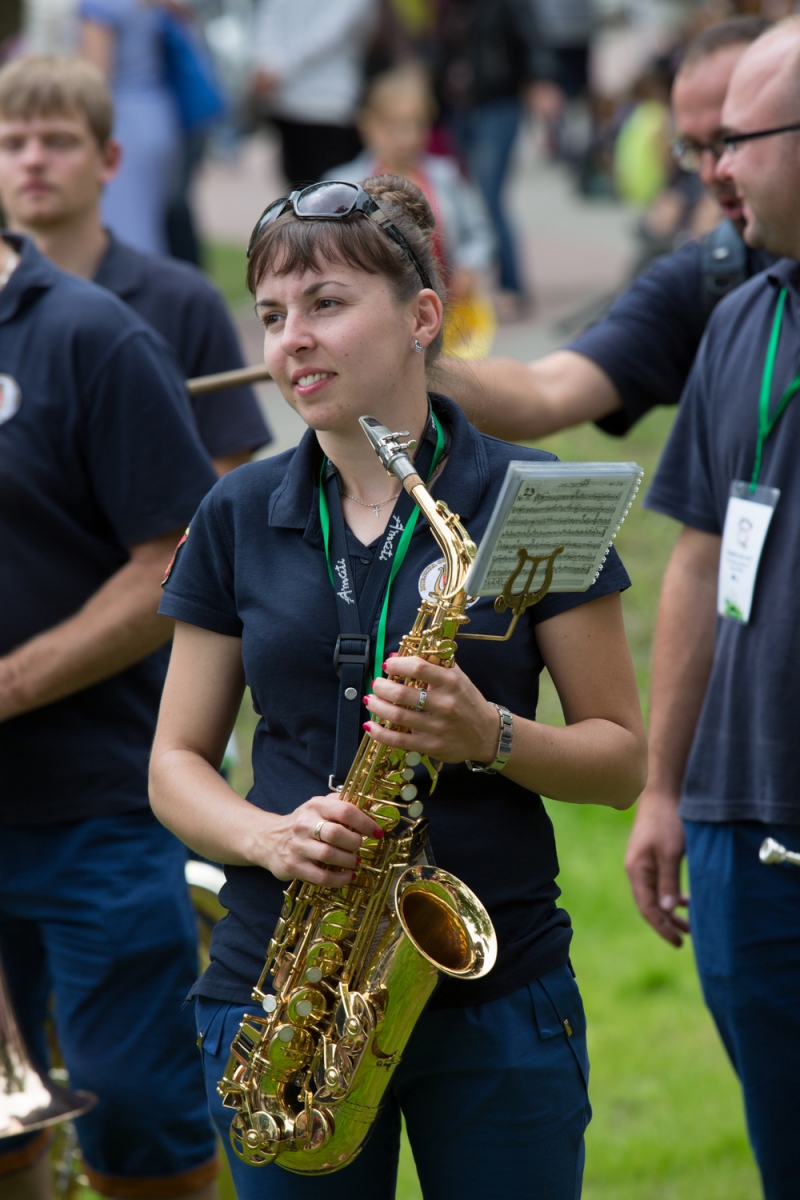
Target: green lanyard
[400, 553]
[766, 424]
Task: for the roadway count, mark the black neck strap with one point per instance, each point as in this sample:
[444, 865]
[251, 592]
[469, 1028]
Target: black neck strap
[352, 656]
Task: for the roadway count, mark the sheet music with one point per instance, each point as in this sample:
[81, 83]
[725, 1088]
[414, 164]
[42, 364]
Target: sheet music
[544, 505]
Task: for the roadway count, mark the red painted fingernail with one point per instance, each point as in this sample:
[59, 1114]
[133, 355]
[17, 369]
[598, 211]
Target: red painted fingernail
[365, 700]
[358, 860]
[378, 833]
[383, 666]
[366, 725]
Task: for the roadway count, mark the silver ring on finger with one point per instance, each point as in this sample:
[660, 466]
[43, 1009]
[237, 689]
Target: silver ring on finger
[317, 829]
[423, 696]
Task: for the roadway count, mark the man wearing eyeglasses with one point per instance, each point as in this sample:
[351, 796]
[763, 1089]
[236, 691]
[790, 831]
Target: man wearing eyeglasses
[724, 765]
[640, 354]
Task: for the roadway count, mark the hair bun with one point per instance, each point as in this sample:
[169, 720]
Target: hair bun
[392, 191]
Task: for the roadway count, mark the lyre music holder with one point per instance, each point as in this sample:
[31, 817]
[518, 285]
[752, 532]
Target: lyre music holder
[519, 602]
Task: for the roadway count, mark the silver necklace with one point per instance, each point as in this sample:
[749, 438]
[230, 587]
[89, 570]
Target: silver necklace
[371, 504]
[11, 263]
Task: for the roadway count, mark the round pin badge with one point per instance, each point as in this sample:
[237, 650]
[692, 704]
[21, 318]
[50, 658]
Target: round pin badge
[433, 577]
[10, 398]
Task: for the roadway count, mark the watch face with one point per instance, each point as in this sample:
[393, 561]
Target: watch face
[10, 398]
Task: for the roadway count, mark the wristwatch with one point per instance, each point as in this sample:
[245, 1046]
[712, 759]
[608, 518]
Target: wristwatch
[503, 746]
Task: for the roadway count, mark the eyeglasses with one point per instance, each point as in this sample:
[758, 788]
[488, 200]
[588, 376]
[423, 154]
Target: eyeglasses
[732, 141]
[689, 155]
[334, 200]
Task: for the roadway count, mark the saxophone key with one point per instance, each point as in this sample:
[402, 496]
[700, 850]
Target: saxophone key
[312, 1132]
[386, 816]
[290, 1049]
[255, 1138]
[305, 1006]
[335, 924]
[326, 956]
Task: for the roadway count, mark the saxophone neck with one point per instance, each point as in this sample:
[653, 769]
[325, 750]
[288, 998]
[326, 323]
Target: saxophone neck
[455, 543]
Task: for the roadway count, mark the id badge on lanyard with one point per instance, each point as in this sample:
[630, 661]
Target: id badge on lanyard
[746, 523]
[751, 507]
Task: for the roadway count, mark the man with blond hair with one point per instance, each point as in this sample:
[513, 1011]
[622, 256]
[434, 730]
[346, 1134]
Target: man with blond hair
[724, 763]
[101, 468]
[57, 154]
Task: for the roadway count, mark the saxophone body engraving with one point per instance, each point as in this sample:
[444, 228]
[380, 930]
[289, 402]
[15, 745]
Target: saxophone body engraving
[352, 968]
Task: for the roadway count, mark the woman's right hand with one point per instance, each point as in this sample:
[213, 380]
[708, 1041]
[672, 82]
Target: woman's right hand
[291, 851]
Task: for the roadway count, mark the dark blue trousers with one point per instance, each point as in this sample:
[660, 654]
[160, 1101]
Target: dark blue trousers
[746, 932]
[486, 135]
[494, 1097]
[96, 914]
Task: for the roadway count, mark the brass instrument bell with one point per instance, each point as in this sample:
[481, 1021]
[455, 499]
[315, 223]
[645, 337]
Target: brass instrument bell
[29, 1100]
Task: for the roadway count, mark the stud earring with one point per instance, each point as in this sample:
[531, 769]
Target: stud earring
[418, 346]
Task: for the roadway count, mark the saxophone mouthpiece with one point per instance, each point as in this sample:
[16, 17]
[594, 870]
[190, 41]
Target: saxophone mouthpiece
[390, 450]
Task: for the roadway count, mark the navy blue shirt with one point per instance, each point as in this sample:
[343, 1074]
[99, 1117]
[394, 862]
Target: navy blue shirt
[98, 452]
[744, 762]
[190, 314]
[647, 341]
[254, 567]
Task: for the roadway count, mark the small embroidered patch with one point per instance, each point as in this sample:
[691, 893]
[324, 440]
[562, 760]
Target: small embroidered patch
[174, 556]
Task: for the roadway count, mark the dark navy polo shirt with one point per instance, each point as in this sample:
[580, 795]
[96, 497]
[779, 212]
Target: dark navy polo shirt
[254, 567]
[100, 454]
[191, 315]
[647, 341]
[744, 762]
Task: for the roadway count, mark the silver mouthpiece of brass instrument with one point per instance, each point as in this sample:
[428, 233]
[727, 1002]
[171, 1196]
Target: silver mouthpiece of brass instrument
[390, 450]
[773, 852]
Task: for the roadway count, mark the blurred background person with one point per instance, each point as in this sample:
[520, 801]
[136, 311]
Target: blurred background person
[639, 354]
[566, 29]
[310, 73]
[491, 60]
[49, 27]
[124, 38]
[56, 156]
[395, 125]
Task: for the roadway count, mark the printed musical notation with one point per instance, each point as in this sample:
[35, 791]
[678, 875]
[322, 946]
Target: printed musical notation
[544, 505]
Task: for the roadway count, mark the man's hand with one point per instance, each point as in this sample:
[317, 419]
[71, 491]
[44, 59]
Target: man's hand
[653, 862]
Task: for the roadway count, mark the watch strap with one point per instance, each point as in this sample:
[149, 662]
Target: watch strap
[503, 745]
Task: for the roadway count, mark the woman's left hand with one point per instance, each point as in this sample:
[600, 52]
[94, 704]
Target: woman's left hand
[455, 722]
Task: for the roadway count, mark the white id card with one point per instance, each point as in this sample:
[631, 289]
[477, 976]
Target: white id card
[746, 524]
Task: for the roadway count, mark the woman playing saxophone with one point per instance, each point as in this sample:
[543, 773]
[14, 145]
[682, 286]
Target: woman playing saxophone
[493, 1082]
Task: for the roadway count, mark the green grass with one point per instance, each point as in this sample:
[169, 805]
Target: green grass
[226, 263]
[668, 1122]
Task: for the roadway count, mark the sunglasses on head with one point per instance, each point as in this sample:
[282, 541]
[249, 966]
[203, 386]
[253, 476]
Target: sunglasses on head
[334, 200]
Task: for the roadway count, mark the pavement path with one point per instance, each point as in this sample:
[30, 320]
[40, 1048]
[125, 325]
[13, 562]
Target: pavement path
[575, 252]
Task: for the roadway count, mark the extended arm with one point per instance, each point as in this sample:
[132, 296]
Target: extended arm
[682, 657]
[599, 757]
[116, 627]
[522, 401]
[201, 698]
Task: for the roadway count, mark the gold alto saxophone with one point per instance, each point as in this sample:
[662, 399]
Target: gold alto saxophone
[353, 967]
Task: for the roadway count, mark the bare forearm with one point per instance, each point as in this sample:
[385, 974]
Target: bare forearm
[192, 799]
[683, 652]
[592, 762]
[118, 626]
[522, 401]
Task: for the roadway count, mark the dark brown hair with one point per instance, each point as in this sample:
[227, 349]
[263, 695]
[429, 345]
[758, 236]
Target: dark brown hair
[290, 245]
[50, 86]
[736, 31]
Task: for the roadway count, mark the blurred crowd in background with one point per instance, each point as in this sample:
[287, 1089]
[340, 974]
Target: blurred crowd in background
[434, 90]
